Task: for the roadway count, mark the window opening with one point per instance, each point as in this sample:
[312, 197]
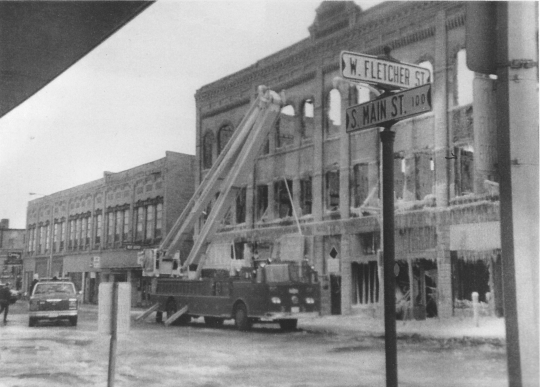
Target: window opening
[361, 184]
[464, 176]
[308, 125]
[306, 198]
[285, 127]
[262, 201]
[334, 112]
[282, 201]
[241, 206]
[332, 190]
[208, 143]
[224, 135]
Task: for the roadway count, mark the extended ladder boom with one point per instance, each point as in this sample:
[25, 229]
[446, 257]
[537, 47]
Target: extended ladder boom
[236, 159]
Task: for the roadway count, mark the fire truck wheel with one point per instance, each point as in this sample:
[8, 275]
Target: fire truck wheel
[288, 325]
[213, 321]
[241, 319]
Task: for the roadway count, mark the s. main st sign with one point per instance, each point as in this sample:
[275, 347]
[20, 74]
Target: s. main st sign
[394, 107]
[382, 72]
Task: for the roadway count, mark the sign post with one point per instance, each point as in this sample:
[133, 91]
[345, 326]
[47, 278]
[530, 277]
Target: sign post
[388, 74]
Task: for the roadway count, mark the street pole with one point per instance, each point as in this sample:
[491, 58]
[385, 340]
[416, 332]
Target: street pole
[114, 336]
[387, 139]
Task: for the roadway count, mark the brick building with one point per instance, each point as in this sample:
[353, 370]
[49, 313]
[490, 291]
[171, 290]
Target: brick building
[11, 250]
[93, 232]
[446, 191]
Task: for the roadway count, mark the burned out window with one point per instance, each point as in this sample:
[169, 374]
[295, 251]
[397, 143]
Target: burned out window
[307, 119]
[399, 176]
[262, 201]
[464, 80]
[285, 127]
[464, 163]
[207, 147]
[365, 283]
[224, 135]
[371, 243]
[282, 198]
[333, 112]
[360, 184]
[332, 190]
[424, 175]
[241, 206]
[306, 197]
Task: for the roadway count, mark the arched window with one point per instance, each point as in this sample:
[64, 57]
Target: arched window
[464, 80]
[285, 127]
[207, 146]
[334, 112]
[307, 118]
[224, 135]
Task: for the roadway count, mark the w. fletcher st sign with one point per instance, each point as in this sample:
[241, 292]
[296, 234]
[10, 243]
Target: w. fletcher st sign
[394, 107]
[381, 72]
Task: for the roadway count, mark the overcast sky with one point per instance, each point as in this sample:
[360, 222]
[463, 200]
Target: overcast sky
[132, 98]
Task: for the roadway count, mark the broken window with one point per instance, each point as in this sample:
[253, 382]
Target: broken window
[464, 80]
[424, 173]
[262, 201]
[285, 127]
[307, 119]
[241, 206]
[224, 135]
[360, 184]
[469, 277]
[464, 176]
[334, 112]
[365, 283]
[282, 198]
[332, 190]
[208, 143]
[306, 195]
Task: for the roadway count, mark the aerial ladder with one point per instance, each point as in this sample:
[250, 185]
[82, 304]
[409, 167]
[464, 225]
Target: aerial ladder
[221, 181]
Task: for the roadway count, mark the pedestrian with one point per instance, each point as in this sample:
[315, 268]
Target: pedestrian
[5, 296]
[33, 284]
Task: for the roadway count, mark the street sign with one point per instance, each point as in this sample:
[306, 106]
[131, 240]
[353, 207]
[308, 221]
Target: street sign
[394, 107]
[370, 69]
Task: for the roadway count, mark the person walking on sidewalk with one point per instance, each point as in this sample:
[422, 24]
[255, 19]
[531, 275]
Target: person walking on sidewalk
[5, 296]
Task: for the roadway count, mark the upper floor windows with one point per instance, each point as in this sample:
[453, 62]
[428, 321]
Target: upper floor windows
[464, 80]
[285, 127]
[207, 150]
[308, 115]
[283, 198]
[224, 135]
[333, 112]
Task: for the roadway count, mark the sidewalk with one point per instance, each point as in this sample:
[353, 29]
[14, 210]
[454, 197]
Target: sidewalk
[490, 329]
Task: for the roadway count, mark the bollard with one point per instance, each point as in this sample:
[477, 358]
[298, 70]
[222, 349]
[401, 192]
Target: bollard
[476, 307]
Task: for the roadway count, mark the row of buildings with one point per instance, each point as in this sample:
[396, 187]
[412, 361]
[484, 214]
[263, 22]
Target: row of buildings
[446, 191]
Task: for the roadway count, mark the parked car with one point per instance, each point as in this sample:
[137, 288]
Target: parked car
[53, 300]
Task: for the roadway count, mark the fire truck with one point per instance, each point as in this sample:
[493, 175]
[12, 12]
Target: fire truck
[210, 282]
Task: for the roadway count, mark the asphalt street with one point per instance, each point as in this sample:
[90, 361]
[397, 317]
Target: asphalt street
[56, 354]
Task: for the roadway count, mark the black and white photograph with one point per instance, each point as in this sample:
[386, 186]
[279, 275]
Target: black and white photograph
[269, 193]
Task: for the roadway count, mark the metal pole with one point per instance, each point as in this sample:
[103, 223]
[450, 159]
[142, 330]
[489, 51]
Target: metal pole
[387, 139]
[114, 326]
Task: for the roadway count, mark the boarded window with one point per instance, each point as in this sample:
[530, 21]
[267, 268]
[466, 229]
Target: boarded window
[332, 190]
[306, 197]
[360, 184]
[283, 204]
[285, 127]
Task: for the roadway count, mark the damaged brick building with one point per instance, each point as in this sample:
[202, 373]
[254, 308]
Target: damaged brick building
[313, 177]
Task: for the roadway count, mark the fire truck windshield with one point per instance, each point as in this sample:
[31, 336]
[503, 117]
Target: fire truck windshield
[277, 273]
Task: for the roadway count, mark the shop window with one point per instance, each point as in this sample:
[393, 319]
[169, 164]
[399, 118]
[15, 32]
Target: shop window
[207, 148]
[282, 198]
[306, 196]
[365, 283]
[241, 206]
[332, 190]
[224, 135]
[262, 201]
[333, 119]
[464, 174]
[360, 184]
[307, 119]
[284, 129]
[464, 80]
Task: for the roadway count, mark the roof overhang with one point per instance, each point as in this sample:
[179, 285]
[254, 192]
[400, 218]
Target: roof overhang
[39, 40]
